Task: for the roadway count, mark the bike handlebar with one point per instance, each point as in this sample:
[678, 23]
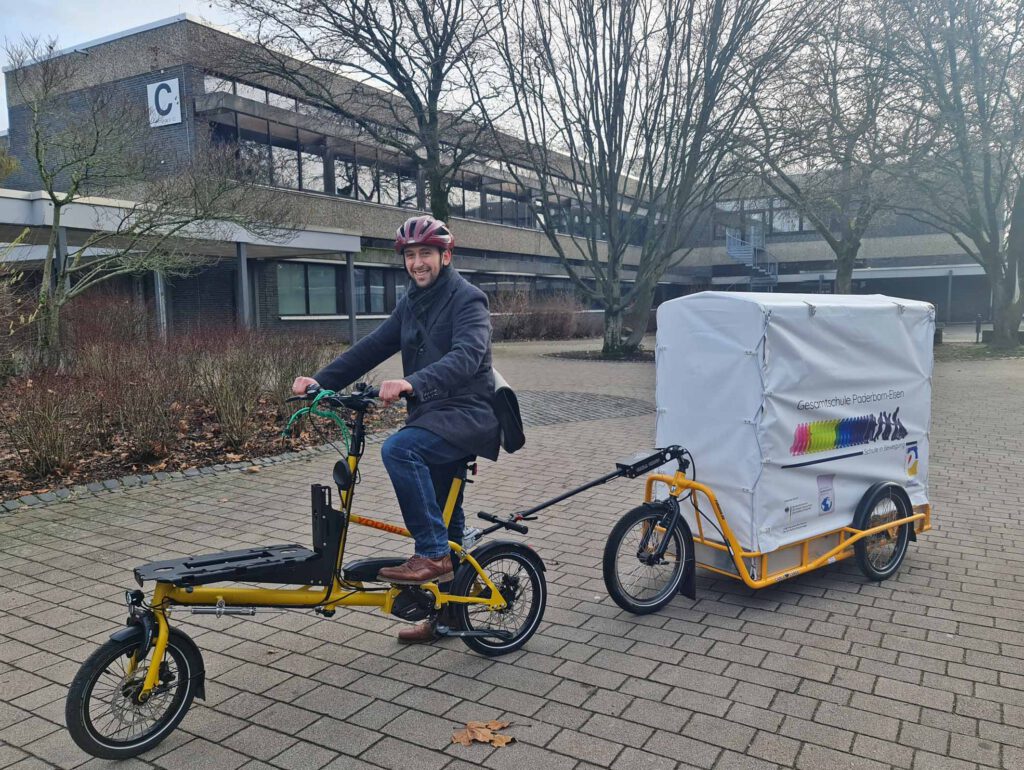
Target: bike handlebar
[509, 523]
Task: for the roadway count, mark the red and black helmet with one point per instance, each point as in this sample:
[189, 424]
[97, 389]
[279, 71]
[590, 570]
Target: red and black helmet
[424, 230]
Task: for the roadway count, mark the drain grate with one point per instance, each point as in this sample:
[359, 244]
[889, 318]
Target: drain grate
[542, 407]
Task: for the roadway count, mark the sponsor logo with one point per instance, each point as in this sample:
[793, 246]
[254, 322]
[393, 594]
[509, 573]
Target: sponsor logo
[827, 435]
[912, 460]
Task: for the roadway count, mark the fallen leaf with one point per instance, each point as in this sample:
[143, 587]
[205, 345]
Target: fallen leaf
[482, 732]
[232, 458]
[253, 469]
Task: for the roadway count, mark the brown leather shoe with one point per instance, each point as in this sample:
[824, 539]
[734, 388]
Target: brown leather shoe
[418, 634]
[419, 570]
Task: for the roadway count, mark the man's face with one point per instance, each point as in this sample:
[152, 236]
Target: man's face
[423, 263]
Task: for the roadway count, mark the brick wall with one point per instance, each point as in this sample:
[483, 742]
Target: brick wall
[206, 300]
[165, 148]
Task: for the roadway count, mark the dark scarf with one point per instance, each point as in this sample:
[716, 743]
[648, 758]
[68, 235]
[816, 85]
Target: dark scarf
[421, 300]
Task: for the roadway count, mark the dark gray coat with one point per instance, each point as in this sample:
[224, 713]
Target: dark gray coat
[451, 378]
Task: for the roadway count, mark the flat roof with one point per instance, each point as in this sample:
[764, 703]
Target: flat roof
[19, 209]
[128, 33]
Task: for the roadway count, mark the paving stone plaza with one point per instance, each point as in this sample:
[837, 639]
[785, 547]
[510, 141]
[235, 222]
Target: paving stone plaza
[924, 671]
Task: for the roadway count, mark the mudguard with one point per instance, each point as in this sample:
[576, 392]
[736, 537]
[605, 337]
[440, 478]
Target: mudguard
[141, 627]
[897, 491]
[486, 548]
[688, 587]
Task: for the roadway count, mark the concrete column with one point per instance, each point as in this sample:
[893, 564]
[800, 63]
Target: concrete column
[160, 300]
[350, 277]
[330, 181]
[244, 307]
[949, 297]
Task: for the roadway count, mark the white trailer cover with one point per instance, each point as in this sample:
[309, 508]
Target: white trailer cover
[794, 404]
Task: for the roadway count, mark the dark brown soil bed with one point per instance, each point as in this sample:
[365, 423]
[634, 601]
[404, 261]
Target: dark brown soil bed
[198, 443]
[642, 356]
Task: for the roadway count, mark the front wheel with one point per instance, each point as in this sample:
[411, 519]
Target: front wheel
[104, 713]
[518, 575]
[636, 579]
[880, 555]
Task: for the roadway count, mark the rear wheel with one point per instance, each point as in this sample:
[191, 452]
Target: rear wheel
[104, 711]
[636, 580]
[516, 574]
[879, 556]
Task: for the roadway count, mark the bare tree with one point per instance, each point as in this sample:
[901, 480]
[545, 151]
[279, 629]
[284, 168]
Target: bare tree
[92, 143]
[630, 110]
[8, 164]
[411, 74]
[966, 59]
[833, 124]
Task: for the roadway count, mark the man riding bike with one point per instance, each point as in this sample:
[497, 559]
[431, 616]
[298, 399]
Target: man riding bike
[442, 328]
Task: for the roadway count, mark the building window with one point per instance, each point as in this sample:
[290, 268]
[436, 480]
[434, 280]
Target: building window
[291, 288]
[312, 172]
[281, 101]
[307, 289]
[323, 289]
[375, 285]
[255, 93]
[785, 220]
[215, 85]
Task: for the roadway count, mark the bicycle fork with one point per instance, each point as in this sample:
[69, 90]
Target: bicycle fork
[671, 520]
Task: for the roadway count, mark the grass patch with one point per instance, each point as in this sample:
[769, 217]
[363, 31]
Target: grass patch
[971, 351]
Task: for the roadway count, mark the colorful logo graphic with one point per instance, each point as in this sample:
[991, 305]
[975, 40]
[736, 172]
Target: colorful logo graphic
[826, 435]
[912, 459]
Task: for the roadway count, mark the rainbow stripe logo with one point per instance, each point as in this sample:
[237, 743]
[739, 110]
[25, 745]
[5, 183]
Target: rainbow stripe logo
[827, 435]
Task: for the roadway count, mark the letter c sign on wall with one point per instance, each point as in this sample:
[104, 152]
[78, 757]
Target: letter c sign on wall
[164, 103]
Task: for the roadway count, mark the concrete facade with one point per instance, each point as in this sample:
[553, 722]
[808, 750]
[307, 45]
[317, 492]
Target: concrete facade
[497, 247]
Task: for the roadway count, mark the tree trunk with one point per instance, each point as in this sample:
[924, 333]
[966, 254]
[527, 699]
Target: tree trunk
[1005, 313]
[845, 259]
[49, 335]
[638, 316]
[437, 191]
[612, 334]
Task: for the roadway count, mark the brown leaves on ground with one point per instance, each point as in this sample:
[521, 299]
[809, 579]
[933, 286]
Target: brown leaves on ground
[483, 732]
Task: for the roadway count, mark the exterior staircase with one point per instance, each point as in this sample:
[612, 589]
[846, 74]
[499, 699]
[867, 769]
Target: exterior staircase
[764, 268]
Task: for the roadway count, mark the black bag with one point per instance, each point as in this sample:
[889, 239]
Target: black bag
[506, 409]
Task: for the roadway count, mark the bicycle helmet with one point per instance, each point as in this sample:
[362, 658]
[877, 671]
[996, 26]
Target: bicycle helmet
[424, 230]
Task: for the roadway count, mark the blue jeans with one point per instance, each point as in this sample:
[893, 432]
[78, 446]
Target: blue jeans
[422, 465]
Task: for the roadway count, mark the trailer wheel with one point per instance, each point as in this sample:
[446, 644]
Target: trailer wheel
[635, 581]
[879, 556]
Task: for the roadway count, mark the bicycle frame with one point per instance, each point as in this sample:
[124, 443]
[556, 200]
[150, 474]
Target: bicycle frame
[743, 560]
[340, 593]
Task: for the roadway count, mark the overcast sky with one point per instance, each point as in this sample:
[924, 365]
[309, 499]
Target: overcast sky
[74, 22]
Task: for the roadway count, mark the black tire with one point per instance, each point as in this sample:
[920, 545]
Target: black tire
[879, 556]
[519, 576]
[100, 698]
[635, 586]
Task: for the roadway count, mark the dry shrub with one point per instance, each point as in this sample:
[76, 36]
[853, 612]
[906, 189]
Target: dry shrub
[517, 316]
[141, 389]
[105, 316]
[17, 304]
[589, 324]
[289, 356]
[52, 424]
[231, 378]
[552, 317]
[509, 312]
